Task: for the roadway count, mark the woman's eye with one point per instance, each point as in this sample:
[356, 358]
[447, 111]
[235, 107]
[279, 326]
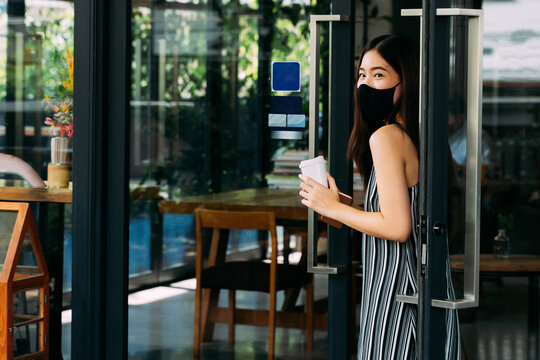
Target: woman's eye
[361, 76]
[378, 75]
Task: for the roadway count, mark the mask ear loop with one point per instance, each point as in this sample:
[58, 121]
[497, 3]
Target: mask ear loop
[395, 111]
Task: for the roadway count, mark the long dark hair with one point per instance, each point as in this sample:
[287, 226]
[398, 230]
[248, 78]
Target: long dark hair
[402, 54]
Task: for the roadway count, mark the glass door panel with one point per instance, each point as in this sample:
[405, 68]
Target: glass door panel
[200, 92]
[505, 325]
[35, 38]
[200, 99]
[510, 183]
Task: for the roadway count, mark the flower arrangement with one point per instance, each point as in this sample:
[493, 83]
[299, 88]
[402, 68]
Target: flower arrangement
[62, 105]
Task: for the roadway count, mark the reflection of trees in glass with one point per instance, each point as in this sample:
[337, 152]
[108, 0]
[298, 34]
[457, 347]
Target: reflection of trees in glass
[178, 79]
[291, 42]
[214, 124]
[31, 37]
[48, 33]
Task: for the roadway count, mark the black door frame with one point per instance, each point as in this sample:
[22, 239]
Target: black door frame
[342, 42]
[100, 179]
[433, 178]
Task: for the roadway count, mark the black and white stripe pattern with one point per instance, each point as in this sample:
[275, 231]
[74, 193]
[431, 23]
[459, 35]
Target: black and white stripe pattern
[388, 327]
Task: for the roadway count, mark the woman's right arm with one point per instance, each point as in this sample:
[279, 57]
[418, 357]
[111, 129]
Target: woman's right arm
[393, 221]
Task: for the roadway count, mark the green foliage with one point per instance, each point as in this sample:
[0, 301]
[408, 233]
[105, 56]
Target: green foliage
[48, 33]
[225, 39]
[506, 221]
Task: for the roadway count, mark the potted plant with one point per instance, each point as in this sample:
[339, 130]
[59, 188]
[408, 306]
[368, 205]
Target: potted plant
[61, 125]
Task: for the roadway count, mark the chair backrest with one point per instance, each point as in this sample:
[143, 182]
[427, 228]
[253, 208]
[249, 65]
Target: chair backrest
[239, 220]
[235, 220]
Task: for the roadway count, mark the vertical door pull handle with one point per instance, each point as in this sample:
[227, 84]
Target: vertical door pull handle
[473, 165]
[314, 75]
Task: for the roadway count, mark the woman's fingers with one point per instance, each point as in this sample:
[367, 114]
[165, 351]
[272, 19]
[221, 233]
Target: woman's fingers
[305, 186]
[305, 179]
[317, 196]
[331, 182]
[308, 180]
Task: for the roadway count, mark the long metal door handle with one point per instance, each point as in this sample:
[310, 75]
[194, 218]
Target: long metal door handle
[473, 163]
[314, 59]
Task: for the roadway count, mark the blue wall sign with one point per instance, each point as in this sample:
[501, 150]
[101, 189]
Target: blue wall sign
[285, 76]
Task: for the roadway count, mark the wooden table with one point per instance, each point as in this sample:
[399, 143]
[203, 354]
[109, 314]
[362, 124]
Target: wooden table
[50, 210]
[15, 190]
[515, 265]
[286, 204]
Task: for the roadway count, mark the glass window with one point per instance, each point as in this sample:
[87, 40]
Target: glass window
[510, 176]
[200, 99]
[36, 102]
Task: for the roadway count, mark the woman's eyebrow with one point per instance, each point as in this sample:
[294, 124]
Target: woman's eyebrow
[374, 68]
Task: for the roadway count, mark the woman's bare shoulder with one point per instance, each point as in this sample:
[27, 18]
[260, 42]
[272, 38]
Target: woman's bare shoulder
[388, 136]
[391, 145]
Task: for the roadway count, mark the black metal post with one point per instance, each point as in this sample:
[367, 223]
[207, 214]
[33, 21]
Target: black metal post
[214, 95]
[265, 29]
[532, 341]
[51, 236]
[15, 19]
[340, 314]
[436, 76]
[100, 179]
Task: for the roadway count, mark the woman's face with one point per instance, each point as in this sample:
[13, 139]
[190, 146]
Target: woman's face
[378, 74]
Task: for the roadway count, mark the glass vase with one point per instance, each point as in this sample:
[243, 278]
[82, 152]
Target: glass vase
[501, 245]
[58, 168]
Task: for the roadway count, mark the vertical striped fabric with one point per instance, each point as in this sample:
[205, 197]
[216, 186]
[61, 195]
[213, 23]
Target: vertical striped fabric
[388, 327]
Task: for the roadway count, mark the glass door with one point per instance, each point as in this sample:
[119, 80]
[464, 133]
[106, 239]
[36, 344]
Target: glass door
[480, 178]
[339, 260]
[438, 322]
[201, 98]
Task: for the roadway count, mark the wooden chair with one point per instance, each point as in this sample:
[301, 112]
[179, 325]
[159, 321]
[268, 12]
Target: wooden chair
[246, 275]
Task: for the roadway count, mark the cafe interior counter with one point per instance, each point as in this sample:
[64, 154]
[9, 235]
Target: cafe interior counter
[20, 190]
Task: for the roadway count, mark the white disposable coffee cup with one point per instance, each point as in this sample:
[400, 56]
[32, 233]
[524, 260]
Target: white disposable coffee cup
[315, 169]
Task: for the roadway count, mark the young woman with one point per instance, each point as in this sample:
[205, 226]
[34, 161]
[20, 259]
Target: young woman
[384, 145]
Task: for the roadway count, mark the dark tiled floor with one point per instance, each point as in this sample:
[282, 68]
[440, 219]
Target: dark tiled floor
[499, 329]
[161, 327]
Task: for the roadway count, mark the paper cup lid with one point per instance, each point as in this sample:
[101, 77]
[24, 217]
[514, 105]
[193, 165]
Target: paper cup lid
[309, 162]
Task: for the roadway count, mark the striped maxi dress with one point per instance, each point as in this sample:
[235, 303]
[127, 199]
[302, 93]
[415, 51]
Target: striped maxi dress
[388, 327]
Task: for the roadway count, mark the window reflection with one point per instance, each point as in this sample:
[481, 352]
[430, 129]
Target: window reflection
[34, 35]
[200, 96]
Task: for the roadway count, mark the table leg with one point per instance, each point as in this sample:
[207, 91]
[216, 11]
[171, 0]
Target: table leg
[51, 235]
[532, 333]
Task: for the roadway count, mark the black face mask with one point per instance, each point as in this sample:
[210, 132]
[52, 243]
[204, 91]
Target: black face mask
[375, 104]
